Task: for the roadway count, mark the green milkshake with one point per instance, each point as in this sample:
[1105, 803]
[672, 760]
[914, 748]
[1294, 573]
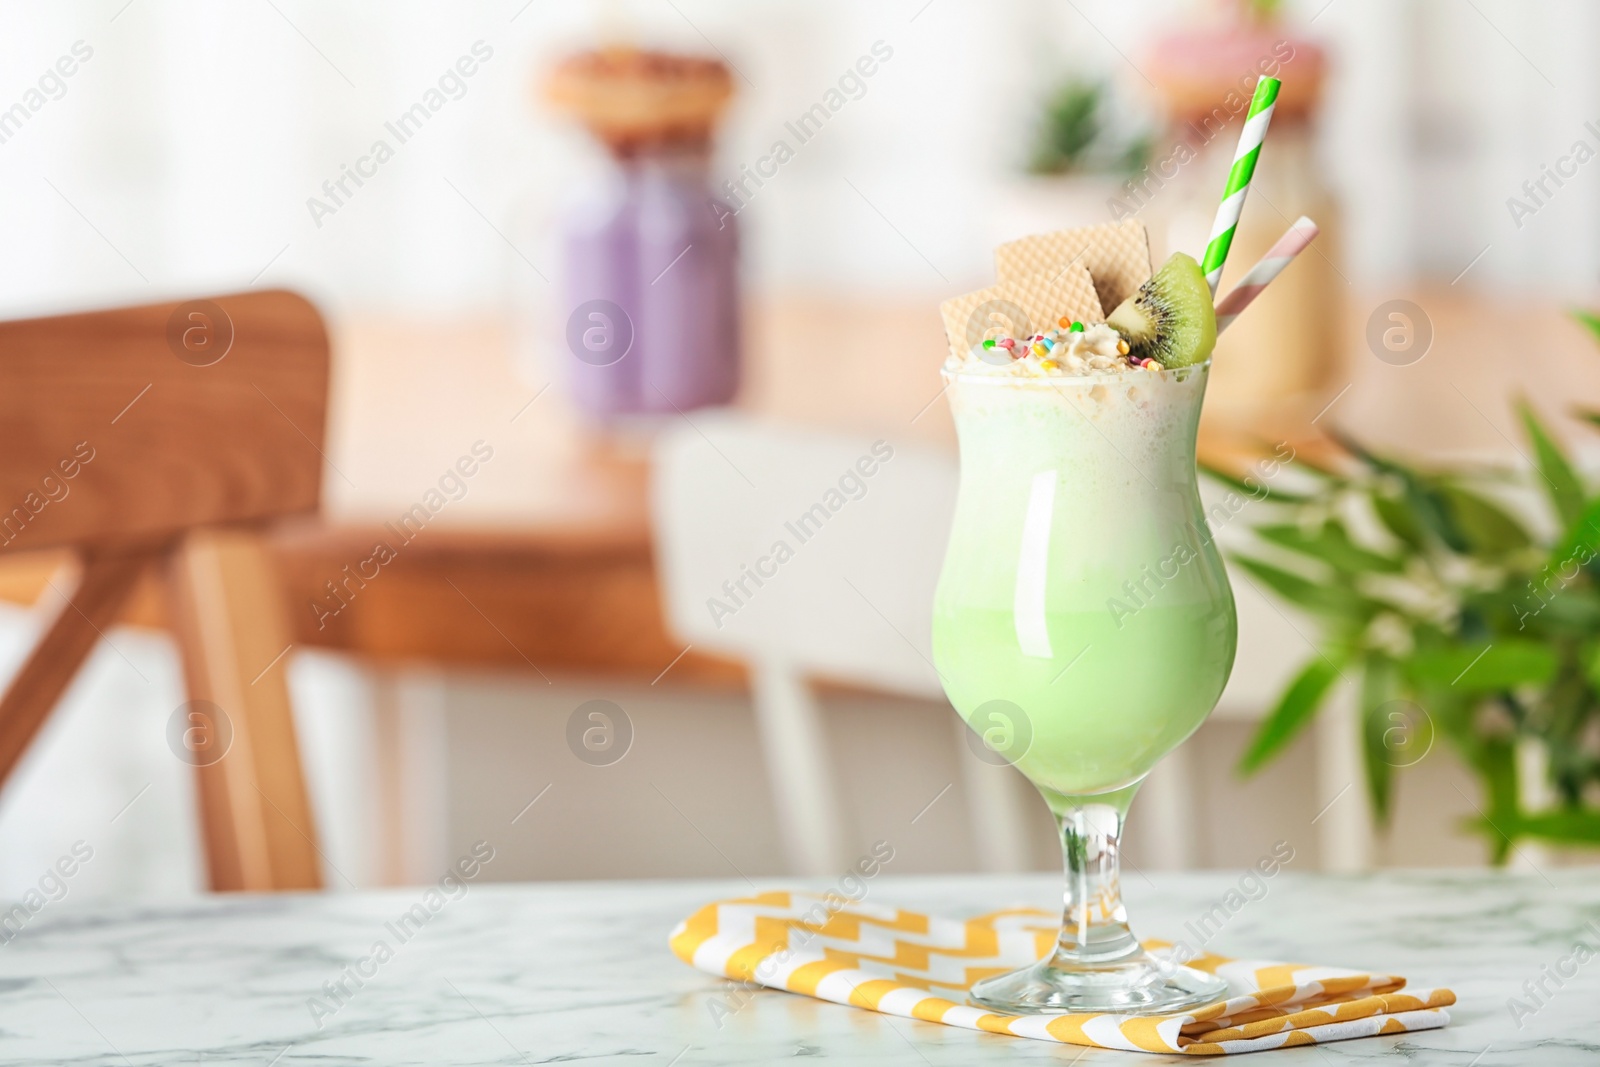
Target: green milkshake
[1083, 622]
[1083, 625]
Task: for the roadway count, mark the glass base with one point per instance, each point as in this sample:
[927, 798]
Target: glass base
[1138, 985]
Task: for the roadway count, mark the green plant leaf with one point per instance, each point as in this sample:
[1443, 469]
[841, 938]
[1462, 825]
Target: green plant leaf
[1579, 543]
[1259, 491]
[1573, 611]
[1379, 685]
[1497, 816]
[1420, 506]
[1294, 709]
[1589, 416]
[1499, 765]
[1566, 826]
[1381, 463]
[1398, 520]
[1316, 467]
[1487, 527]
[1560, 480]
[1495, 761]
[1366, 455]
[1591, 663]
[1136, 157]
[1505, 664]
[1324, 598]
[1530, 613]
[1425, 503]
[1588, 319]
[1331, 544]
[1068, 129]
[1264, 11]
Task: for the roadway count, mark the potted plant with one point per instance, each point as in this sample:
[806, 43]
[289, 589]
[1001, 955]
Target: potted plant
[1458, 623]
[1076, 162]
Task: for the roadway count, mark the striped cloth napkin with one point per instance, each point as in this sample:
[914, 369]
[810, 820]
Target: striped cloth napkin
[920, 967]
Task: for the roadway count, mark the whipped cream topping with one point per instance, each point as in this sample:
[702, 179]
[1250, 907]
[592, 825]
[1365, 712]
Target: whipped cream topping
[1096, 349]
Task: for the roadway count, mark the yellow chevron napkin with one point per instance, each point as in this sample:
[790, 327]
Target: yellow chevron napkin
[920, 967]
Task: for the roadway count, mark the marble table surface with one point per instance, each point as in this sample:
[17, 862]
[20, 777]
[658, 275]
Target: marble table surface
[566, 972]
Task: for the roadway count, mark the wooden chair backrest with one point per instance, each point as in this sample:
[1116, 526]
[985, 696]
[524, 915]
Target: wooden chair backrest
[136, 424]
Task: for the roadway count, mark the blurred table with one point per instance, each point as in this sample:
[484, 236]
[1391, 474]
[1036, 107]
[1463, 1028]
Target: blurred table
[544, 562]
[548, 553]
[581, 972]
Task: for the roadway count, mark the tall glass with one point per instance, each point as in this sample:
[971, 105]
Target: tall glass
[1084, 627]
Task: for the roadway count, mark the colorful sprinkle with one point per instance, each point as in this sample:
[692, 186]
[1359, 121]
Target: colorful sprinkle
[1058, 350]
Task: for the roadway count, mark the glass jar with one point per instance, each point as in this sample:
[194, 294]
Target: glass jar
[652, 291]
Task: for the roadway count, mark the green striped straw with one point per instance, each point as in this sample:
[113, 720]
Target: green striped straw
[1244, 168]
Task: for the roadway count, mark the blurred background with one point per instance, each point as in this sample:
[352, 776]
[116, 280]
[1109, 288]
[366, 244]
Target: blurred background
[200, 149]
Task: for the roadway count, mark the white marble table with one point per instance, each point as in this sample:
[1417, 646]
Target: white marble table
[581, 972]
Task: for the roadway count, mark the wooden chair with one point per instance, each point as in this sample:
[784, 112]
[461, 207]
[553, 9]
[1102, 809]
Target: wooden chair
[158, 441]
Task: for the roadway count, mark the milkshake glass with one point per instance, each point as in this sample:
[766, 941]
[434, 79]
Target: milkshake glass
[1084, 628]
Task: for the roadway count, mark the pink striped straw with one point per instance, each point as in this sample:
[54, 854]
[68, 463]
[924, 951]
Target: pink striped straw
[1279, 256]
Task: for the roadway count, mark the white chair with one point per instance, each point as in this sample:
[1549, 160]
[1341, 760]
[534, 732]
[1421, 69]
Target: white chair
[805, 555]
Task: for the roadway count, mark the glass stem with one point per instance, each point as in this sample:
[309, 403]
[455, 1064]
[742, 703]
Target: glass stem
[1094, 925]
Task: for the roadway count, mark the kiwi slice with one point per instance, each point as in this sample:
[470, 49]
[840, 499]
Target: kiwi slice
[1170, 319]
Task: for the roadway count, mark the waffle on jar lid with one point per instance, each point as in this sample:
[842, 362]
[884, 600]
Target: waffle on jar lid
[635, 100]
